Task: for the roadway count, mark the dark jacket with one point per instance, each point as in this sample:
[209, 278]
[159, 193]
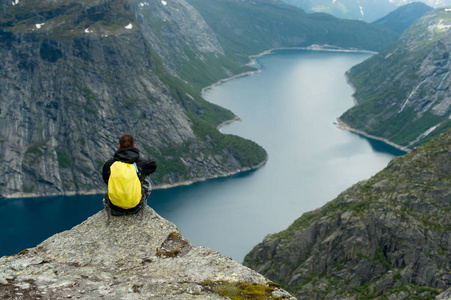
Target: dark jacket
[130, 156]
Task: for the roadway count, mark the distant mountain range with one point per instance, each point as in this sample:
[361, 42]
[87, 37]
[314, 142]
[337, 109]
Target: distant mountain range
[249, 27]
[366, 10]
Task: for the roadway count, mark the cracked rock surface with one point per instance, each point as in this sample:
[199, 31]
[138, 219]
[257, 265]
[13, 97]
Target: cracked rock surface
[131, 258]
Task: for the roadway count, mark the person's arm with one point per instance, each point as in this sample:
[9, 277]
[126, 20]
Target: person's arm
[148, 166]
[106, 170]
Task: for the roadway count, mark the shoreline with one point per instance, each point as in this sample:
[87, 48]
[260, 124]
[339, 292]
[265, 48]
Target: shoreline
[65, 194]
[229, 121]
[228, 79]
[252, 59]
[348, 81]
[228, 174]
[343, 126]
[154, 187]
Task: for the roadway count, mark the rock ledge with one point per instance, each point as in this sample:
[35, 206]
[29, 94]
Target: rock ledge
[128, 259]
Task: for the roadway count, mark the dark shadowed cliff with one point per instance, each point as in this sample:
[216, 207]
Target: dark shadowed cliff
[387, 237]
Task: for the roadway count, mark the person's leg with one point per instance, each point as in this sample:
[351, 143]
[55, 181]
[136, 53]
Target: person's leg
[106, 204]
[146, 188]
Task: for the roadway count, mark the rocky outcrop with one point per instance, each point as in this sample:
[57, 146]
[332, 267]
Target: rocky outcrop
[131, 258]
[389, 236]
[403, 93]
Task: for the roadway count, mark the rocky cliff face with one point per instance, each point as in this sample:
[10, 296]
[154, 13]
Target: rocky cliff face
[403, 93]
[387, 237]
[187, 32]
[75, 75]
[131, 258]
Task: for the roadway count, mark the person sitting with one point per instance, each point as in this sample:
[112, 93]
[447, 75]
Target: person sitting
[127, 177]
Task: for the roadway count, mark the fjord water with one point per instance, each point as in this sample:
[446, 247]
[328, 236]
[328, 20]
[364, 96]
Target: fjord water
[290, 109]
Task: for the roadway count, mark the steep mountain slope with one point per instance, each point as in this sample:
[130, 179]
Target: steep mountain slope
[403, 93]
[75, 75]
[131, 258]
[187, 46]
[404, 16]
[366, 10]
[386, 237]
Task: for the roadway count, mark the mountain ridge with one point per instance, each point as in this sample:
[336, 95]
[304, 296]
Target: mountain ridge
[404, 16]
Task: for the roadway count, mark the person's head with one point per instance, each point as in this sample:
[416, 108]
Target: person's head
[126, 141]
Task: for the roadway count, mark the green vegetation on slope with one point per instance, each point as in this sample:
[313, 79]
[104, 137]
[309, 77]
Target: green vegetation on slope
[205, 118]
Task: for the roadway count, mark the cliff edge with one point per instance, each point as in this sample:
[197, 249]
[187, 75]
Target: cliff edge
[128, 259]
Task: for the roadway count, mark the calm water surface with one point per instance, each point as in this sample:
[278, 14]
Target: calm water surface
[289, 108]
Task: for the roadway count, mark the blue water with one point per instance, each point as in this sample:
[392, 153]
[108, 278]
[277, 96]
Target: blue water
[289, 108]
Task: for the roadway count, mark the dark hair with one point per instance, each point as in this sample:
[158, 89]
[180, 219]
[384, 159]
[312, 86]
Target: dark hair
[126, 141]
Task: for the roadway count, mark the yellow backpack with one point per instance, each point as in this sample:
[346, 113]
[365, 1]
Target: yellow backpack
[124, 187]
